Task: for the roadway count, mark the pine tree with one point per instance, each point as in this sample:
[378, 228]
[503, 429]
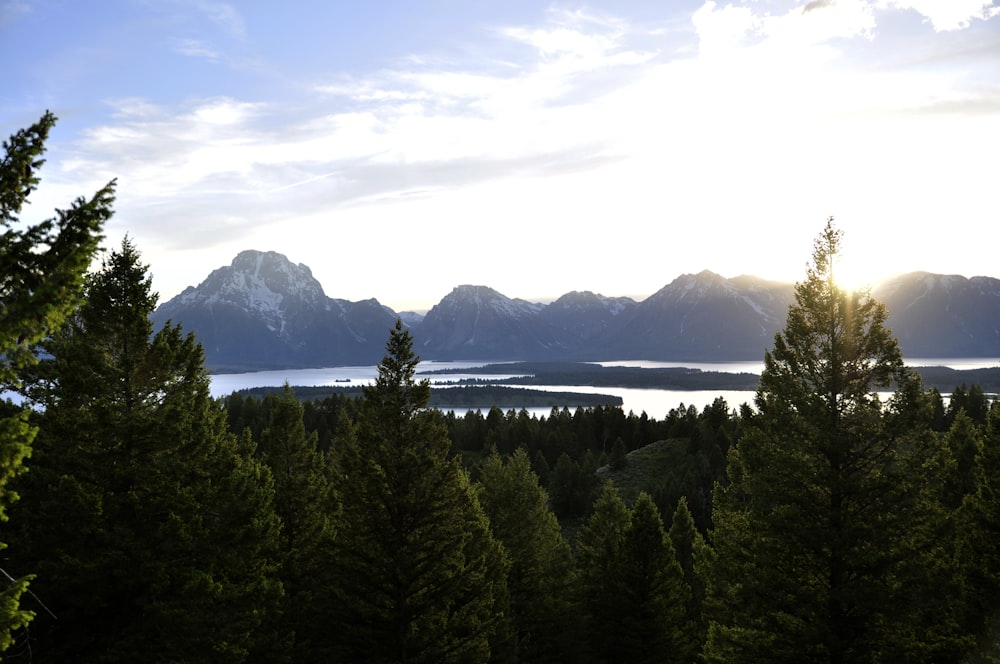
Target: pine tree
[305, 503]
[570, 488]
[619, 456]
[420, 577]
[598, 550]
[41, 275]
[979, 539]
[152, 528]
[963, 441]
[827, 536]
[695, 558]
[541, 569]
[650, 594]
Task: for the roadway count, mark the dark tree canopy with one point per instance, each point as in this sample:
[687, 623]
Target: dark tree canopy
[832, 508]
[307, 506]
[171, 550]
[420, 577]
[541, 571]
[41, 275]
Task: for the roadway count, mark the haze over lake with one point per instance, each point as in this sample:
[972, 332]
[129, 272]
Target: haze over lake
[655, 403]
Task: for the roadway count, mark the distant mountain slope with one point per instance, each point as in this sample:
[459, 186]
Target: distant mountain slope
[936, 315]
[703, 317]
[263, 311]
[585, 319]
[476, 322]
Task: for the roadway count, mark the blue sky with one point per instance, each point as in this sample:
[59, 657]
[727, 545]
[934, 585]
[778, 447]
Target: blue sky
[400, 149]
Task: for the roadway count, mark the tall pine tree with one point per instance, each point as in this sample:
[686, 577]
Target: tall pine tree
[151, 526]
[695, 559]
[305, 502]
[650, 594]
[634, 594]
[420, 577]
[826, 536]
[541, 572]
[41, 275]
[979, 539]
[599, 547]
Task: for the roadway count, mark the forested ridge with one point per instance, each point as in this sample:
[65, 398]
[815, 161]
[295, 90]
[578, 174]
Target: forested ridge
[823, 523]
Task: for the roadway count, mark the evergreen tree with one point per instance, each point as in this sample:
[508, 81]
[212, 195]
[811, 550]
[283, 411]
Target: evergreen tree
[650, 593]
[963, 441]
[569, 488]
[826, 536]
[695, 558]
[420, 577]
[541, 569]
[980, 546]
[970, 400]
[540, 466]
[619, 458]
[41, 274]
[306, 505]
[152, 528]
[598, 550]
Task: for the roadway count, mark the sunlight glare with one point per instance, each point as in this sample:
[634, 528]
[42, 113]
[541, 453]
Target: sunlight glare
[852, 275]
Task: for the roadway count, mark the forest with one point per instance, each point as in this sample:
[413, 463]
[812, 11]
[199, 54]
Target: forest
[144, 520]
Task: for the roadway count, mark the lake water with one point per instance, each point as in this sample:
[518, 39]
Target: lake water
[655, 403]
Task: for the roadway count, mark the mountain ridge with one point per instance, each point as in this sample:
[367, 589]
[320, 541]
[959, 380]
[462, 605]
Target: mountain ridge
[265, 312]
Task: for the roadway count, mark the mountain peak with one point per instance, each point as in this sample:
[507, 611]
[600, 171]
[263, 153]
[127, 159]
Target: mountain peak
[262, 310]
[485, 298]
[264, 282]
[277, 274]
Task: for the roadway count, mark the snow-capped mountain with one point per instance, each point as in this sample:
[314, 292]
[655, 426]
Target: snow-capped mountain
[263, 311]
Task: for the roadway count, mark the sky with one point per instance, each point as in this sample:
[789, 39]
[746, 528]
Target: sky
[401, 149]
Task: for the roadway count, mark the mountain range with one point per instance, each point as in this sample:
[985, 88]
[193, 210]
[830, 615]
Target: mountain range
[264, 312]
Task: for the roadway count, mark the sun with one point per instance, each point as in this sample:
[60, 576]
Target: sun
[852, 275]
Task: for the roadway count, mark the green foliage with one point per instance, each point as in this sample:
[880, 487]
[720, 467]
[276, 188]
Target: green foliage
[964, 444]
[573, 433]
[305, 502]
[41, 275]
[830, 539]
[540, 578]
[651, 596]
[16, 436]
[969, 400]
[632, 588]
[695, 558]
[570, 487]
[43, 264]
[619, 457]
[152, 528]
[979, 539]
[598, 550]
[419, 576]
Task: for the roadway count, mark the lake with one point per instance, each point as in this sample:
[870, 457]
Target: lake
[655, 403]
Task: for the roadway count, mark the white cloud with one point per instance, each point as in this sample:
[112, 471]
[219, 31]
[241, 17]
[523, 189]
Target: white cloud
[948, 14]
[820, 22]
[569, 134]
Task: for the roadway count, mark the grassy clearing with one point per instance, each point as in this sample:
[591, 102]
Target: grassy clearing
[646, 467]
